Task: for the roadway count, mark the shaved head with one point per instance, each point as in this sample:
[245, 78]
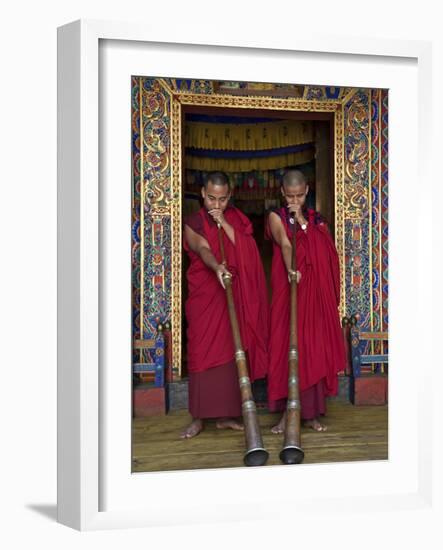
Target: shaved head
[293, 177]
[216, 178]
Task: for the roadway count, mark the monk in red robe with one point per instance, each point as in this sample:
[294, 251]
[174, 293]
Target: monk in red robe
[320, 341]
[213, 381]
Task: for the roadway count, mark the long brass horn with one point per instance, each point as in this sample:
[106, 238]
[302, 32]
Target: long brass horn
[292, 452]
[256, 454]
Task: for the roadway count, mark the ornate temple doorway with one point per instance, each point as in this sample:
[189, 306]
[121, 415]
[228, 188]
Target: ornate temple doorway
[348, 172]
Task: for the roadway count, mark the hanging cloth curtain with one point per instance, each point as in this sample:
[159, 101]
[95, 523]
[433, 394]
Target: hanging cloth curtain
[244, 161]
[247, 137]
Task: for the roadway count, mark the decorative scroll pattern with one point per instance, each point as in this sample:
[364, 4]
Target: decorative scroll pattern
[325, 93]
[151, 229]
[157, 177]
[156, 124]
[258, 102]
[179, 86]
[379, 213]
[176, 237]
[135, 230]
[340, 205]
[375, 211]
[384, 206]
[357, 125]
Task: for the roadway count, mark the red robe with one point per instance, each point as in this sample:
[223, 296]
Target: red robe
[320, 341]
[209, 334]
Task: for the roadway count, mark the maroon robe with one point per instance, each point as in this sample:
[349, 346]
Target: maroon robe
[320, 341]
[213, 383]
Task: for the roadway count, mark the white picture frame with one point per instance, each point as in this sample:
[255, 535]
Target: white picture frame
[96, 489]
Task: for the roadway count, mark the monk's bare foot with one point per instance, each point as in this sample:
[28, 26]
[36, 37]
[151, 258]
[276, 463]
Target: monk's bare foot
[229, 423]
[280, 427]
[315, 425]
[194, 428]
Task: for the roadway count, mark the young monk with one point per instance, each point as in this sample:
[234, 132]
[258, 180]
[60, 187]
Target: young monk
[321, 350]
[213, 381]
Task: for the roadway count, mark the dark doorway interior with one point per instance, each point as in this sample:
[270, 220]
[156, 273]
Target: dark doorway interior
[319, 171]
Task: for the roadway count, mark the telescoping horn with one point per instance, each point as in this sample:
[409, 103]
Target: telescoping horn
[256, 454]
[292, 452]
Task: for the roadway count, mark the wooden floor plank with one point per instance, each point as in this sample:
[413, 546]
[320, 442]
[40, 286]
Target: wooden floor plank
[354, 433]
